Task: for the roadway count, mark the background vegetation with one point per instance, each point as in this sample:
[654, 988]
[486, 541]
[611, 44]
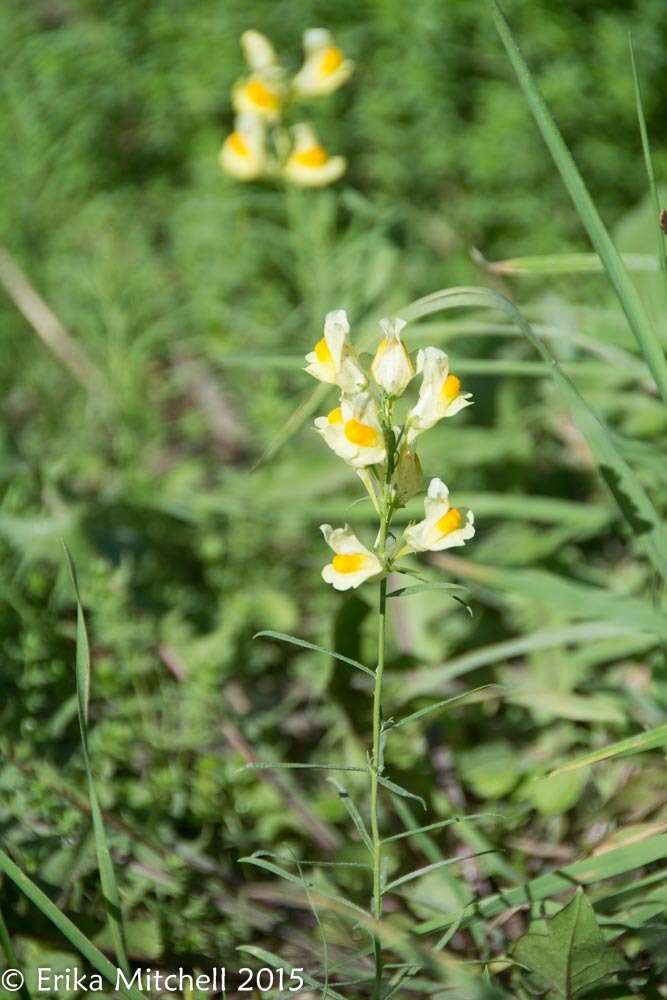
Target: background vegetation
[192, 513]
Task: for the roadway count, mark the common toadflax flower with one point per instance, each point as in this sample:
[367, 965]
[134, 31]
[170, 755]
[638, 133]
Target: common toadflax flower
[360, 429]
[352, 563]
[325, 68]
[265, 94]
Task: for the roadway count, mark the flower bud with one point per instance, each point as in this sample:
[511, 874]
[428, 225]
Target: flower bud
[392, 368]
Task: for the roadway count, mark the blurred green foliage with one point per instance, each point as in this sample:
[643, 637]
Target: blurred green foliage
[165, 271]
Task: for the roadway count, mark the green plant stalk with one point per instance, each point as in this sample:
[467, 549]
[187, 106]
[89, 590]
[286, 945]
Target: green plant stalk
[376, 758]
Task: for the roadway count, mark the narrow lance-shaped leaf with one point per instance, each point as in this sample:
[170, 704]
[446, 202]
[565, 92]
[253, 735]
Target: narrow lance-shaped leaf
[295, 641]
[104, 862]
[621, 281]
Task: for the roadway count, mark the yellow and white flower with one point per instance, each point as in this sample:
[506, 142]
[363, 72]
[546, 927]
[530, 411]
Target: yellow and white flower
[352, 563]
[440, 393]
[332, 359]
[392, 368]
[260, 94]
[243, 154]
[258, 51]
[309, 164]
[352, 430]
[443, 527]
[325, 68]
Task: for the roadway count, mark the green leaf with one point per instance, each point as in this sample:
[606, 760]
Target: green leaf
[297, 766]
[259, 862]
[467, 696]
[10, 954]
[572, 955]
[621, 281]
[420, 588]
[648, 162]
[567, 263]
[441, 824]
[70, 931]
[652, 739]
[585, 872]
[630, 496]
[391, 786]
[104, 862]
[555, 794]
[280, 963]
[431, 868]
[295, 641]
[353, 813]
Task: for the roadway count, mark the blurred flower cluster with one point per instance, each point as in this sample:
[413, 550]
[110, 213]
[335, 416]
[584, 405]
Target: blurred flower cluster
[362, 430]
[260, 144]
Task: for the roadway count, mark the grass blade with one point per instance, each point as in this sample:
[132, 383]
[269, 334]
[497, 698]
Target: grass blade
[630, 496]
[566, 263]
[652, 739]
[104, 862]
[586, 872]
[617, 273]
[441, 824]
[8, 948]
[69, 930]
[295, 641]
[648, 161]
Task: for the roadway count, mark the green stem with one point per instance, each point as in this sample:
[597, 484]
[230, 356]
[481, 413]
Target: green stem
[376, 771]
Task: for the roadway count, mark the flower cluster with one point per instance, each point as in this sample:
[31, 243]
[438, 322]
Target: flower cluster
[260, 146]
[361, 431]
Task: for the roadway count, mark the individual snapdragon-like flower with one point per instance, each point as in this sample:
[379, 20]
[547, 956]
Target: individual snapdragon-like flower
[263, 91]
[440, 393]
[352, 563]
[325, 68]
[258, 51]
[443, 527]
[309, 164]
[332, 359]
[392, 368]
[243, 154]
[352, 430]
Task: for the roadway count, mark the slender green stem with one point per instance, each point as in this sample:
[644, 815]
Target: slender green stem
[377, 755]
[376, 771]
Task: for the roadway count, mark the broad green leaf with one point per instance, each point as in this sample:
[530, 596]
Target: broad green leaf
[554, 795]
[491, 769]
[572, 956]
[295, 641]
[652, 739]
[62, 923]
[586, 872]
[104, 862]
[621, 281]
